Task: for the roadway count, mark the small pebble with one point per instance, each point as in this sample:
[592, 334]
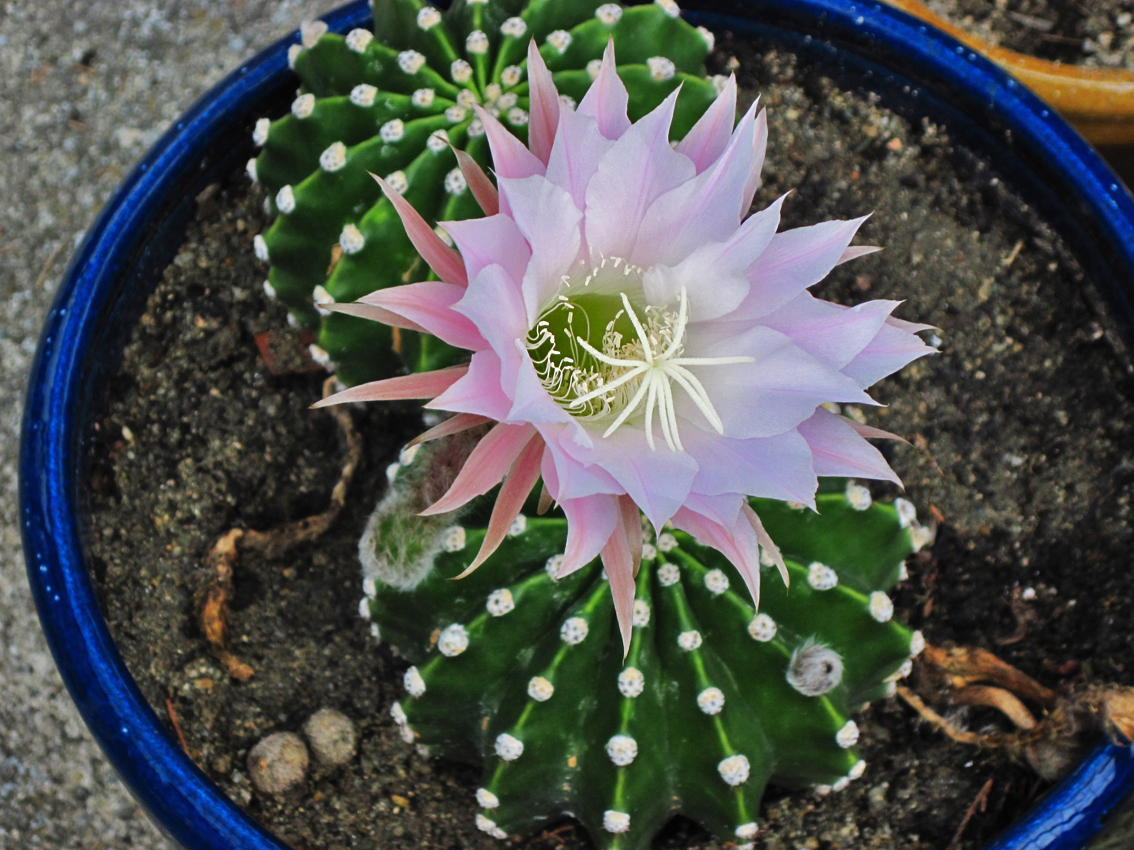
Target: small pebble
[333, 737]
[278, 763]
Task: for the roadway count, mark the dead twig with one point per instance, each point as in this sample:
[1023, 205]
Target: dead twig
[971, 665]
[271, 544]
[39, 281]
[981, 802]
[176, 725]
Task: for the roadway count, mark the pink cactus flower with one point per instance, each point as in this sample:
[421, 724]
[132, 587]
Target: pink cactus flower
[641, 346]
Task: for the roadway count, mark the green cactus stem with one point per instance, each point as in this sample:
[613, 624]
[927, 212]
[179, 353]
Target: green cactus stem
[395, 102]
[523, 671]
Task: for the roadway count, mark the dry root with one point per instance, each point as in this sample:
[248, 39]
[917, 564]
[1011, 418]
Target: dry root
[1049, 736]
[271, 544]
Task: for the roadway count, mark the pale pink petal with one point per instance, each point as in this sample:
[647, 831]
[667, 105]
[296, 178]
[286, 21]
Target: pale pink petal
[420, 385]
[491, 241]
[639, 168]
[769, 396]
[856, 251]
[606, 100]
[430, 305]
[632, 523]
[840, 451]
[617, 558]
[530, 399]
[706, 208]
[709, 136]
[544, 106]
[909, 327]
[889, 351]
[872, 433]
[766, 543]
[737, 543]
[830, 332]
[778, 467]
[566, 477]
[795, 260]
[549, 220]
[478, 391]
[658, 481]
[759, 150]
[496, 308]
[479, 184]
[485, 467]
[579, 148]
[509, 156]
[510, 500]
[441, 258]
[590, 523]
[453, 425]
[374, 314]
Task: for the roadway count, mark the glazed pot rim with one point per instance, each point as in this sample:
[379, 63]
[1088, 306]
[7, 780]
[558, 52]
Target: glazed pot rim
[89, 312]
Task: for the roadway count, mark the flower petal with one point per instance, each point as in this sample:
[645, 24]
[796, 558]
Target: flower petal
[441, 258]
[494, 240]
[579, 148]
[778, 467]
[482, 188]
[738, 543]
[485, 467]
[496, 308]
[606, 100]
[840, 451]
[544, 105]
[707, 140]
[618, 558]
[453, 425]
[478, 392]
[429, 304]
[889, 351]
[832, 333]
[590, 523]
[759, 149]
[420, 385]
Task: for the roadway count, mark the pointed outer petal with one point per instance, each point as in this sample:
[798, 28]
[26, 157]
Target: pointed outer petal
[776, 467]
[723, 509]
[840, 451]
[759, 149]
[606, 100]
[453, 425]
[657, 480]
[765, 540]
[548, 218]
[707, 140]
[491, 241]
[590, 523]
[565, 477]
[714, 274]
[492, 457]
[530, 399]
[872, 433]
[421, 385]
[639, 168]
[856, 251]
[441, 258]
[911, 327]
[495, 306]
[543, 111]
[795, 260]
[889, 351]
[706, 208]
[509, 156]
[430, 305]
[738, 543]
[545, 501]
[374, 314]
[769, 396]
[575, 156]
[632, 523]
[832, 333]
[482, 188]
[619, 562]
[521, 478]
[477, 392]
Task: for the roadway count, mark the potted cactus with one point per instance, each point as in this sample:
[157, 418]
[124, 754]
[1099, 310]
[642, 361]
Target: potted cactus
[824, 650]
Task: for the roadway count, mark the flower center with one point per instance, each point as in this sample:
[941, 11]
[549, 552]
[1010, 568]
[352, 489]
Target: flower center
[601, 359]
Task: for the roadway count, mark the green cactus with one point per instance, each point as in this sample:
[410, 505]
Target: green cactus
[392, 102]
[523, 671]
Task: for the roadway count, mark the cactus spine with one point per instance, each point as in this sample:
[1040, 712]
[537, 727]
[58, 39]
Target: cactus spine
[521, 670]
[396, 102]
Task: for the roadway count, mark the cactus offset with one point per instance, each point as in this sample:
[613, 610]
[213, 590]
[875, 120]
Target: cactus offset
[524, 672]
[392, 102]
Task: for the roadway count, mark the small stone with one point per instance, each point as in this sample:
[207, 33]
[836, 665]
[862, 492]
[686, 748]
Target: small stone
[278, 763]
[333, 737]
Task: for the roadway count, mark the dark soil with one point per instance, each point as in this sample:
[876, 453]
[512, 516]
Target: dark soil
[1019, 431]
[1096, 33]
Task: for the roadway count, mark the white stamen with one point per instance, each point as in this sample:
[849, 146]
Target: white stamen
[631, 682]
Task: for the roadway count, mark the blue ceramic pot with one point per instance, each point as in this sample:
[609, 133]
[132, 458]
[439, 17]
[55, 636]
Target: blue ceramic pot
[917, 71]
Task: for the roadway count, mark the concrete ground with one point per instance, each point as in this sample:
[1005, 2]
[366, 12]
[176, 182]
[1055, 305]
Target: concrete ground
[85, 89]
